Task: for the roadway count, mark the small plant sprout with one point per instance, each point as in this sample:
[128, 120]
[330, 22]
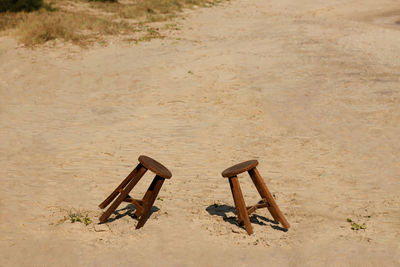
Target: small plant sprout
[355, 226]
[87, 220]
[78, 217]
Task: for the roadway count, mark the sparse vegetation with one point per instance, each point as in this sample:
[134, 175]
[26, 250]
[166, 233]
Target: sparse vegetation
[86, 21]
[103, 1]
[149, 10]
[356, 226]
[79, 217]
[40, 27]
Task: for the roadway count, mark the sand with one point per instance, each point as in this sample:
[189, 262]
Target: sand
[311, 89]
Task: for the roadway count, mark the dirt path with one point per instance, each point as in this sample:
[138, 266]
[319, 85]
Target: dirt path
[310, 89]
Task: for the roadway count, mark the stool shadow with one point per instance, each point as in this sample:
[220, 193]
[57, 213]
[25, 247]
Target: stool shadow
[129, 211]
[222, 210]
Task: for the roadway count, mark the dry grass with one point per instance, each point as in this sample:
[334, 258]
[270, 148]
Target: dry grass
[151, 10]
[83, 22]
[40, 27]
[10, 20]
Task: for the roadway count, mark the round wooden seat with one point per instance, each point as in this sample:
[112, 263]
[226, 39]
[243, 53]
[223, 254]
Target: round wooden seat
[239, 168]
[155, 167]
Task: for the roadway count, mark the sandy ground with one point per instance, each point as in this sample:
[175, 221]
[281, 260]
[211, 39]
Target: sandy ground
[311, 89]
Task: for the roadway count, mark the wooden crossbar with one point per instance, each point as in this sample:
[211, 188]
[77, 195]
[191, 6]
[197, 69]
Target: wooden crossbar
[138, 203]
[261, 204]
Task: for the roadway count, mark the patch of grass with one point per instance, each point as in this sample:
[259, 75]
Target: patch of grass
[79, 217]
[171, 26]
[148, 34]
[355, 226]
[151, 10]
[81, 23]
[139, 10]
[113, 1]
[10, 20]
[40, 27]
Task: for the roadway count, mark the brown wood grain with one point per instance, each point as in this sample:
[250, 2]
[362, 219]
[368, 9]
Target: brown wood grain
[239, 168]
[155, 167]
[265, 193]
[144, 205]
[239, 203]
[141, 171]
[148, 203]
[119, 188]
[267, 201]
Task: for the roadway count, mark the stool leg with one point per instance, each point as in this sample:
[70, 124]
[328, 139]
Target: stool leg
[148, 203]
[115, 193]
[135, 179]
[145, 198]
[239, 203]
[265, 193]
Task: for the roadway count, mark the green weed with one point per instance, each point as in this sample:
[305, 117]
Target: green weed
[355, 226]
[79, 217]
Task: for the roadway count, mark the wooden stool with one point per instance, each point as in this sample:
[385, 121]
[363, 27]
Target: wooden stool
[144, 205]
[267, 199]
